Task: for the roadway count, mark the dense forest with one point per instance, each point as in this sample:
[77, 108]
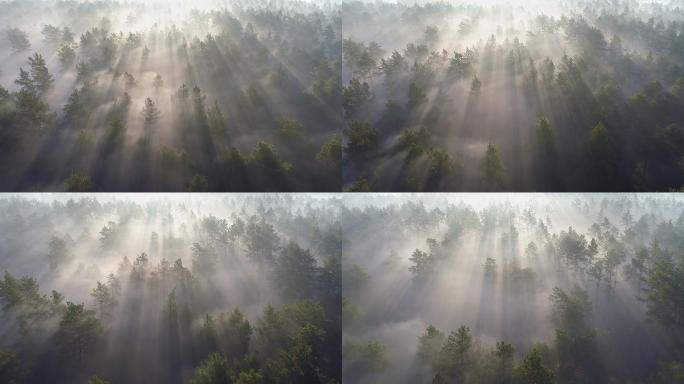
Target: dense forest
[513, 289]
[570, 95]
[170, 95]
[170, 289]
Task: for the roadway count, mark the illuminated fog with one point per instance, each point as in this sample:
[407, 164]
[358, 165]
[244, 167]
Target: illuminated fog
[243, 96]
[492, 263]
[149, 288]
[576, 95]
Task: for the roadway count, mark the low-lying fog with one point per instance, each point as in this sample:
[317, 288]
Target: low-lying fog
[180, 96]
[162, 288]
[577, 95]
[587, 282]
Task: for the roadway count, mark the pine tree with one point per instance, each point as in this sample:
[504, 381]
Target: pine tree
[150, 112]
[42, 79]
[79, 333]
[24, 81]
[67, 36]
[73, 109]
[104, 301]
[66, 55]
[492, 169]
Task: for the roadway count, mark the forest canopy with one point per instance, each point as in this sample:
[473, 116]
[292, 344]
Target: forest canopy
[578, 95]
[170, 289]
[519, 288]
[170, 96]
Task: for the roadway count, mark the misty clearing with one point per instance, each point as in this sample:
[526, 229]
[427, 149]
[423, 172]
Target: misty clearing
[513, 288]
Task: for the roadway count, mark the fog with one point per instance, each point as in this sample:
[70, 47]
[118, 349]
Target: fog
[513, 96]
[165, 288]
[170, 96]
[576, 286]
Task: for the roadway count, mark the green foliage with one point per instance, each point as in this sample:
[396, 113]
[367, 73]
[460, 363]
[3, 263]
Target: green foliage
[360, 185]
[75, 108]
[204, 260]
[23, 302]
[40, 76]
[355, 96]
[360, 137]
[430, 344]
[208, 336]
[236, 332]
[18, 39]
[249, 377]
[115, 136]
[532, 370]
[109, 235]
[198, 129]
[326, 84]
[10, 367]
[30, 107]
[198, 183]
[265, 157]
[25, 82]
[67, 36]
[669, 373]
[295, 272]
[57, 252]
[269, 331]
[360, 57]
[416, 96]
[504, 358]
[362, 358]
[213, 370]
[414, 140]
[570, 310]
[172, 158]
[97, 380]
[423, 264]
[331, 153]
[664, 297]
[150, 112]
[440, 167]
[298, 314]
[602, 152]
[289, 337]
[79, 182]
[456, 354]
[354, 279]
[576, 347]
[262, 241]
[545, 150]
[393, 67]
[460, 65]
[83, 70]
[17, 293]
[79, 334]
[299, 363]
[289, 128]
[393, 117]
[105, 302]
[574, 248]
[492, 170]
